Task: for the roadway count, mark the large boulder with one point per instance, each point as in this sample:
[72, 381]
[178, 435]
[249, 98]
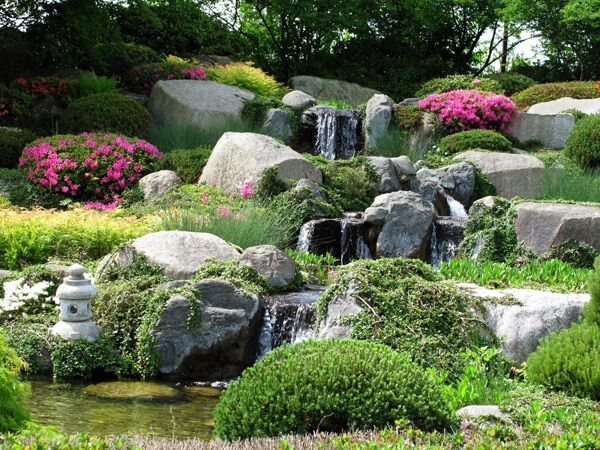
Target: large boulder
[541, 225]
[179, 253]
[322, 89]
[200, 103]
[244, 156]
[458, 180]
[222, 343]
[512, 174]
[278, 268]
[377, 119]
[402, 223]
[298, 100]
[528, 317]
[550, 129]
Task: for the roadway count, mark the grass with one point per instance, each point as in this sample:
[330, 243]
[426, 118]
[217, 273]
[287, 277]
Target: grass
[552, 275]
[186, 136]
[397, 143]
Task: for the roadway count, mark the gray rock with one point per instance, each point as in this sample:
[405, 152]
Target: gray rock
[458, 180]
[405, 169]
[522, 323]
[341, 306]
[377, 119]
[244, 156]
[474, 411]
[278, 268]
[181, 253]
[277, 124]
[586, 105]
[432, 191]
[552, 129]
[386, 170]
[224, 343]
[405, 220]
[512, 174]
[323, 89]
[203, 104]
[542, 225]
[156, 183]
[298, 100]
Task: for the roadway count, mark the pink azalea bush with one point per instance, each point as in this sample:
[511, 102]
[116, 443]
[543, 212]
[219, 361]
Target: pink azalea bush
[463, 110]
[92, 166]
[141, 79]
[246, 190]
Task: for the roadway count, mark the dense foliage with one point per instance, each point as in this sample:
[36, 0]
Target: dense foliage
[474, 139]
[546, 92]
[106, 112]
[408, 308]
[583, 143]
[12, 143]
[13, 414]
[458, 83]
[329, 385]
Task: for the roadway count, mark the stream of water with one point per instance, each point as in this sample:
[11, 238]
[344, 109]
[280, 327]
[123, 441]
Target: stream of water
[148, 408]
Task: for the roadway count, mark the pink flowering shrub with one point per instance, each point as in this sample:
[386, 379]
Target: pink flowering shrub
[246, 190]
[141, 79]
[471, 109]
[94, 167]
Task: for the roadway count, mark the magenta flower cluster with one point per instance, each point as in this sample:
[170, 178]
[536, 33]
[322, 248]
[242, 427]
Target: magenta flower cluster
[94, 167]
[246, 190]
[471, 109]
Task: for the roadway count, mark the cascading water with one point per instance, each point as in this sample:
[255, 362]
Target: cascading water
[352, 242]
[334, 132]
[305, 236]
[456, 208]
[448, 233]
[289, 318]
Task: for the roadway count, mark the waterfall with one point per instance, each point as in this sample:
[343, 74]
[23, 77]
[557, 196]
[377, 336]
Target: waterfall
[305, 236]
[352, 242]
[446, 236]
[289, 318]
[456, 208]
[336, 132]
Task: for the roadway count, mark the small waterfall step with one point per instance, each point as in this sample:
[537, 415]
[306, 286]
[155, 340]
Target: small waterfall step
[446, 236]
[289, 318]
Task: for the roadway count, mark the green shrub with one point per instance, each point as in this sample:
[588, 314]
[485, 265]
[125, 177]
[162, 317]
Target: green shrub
[408, 117]
[483, 186]
[546, 92]
[12, 142]
[118, 58]
[408, 308]
[187, 163]
[13, 414]
[329, 385]
[576, 254]
[583, 143]
[591, 311]
[106, 112]
[512, 82]
[351, 183]
[89, 83]
[568, 361]
[474, 139]
[490, 233]
[456, 83]
[244, 75]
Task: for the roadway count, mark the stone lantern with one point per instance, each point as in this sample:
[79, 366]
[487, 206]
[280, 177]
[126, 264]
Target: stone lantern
[75, 297]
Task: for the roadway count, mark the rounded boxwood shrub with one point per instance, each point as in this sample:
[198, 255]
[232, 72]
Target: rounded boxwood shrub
[106, 112]
[472, 139]
[118, 58]
[12, 142]
[330, 385]
[583, 144]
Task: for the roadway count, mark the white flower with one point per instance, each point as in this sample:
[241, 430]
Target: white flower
[17, 292]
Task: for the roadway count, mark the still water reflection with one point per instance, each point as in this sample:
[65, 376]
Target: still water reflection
[125, 407]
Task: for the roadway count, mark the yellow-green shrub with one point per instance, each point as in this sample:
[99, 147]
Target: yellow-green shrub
[244, 75]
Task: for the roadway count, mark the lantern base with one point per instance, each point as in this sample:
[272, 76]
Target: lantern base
[74, 331]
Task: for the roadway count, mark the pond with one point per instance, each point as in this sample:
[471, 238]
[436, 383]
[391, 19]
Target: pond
[115, 408]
